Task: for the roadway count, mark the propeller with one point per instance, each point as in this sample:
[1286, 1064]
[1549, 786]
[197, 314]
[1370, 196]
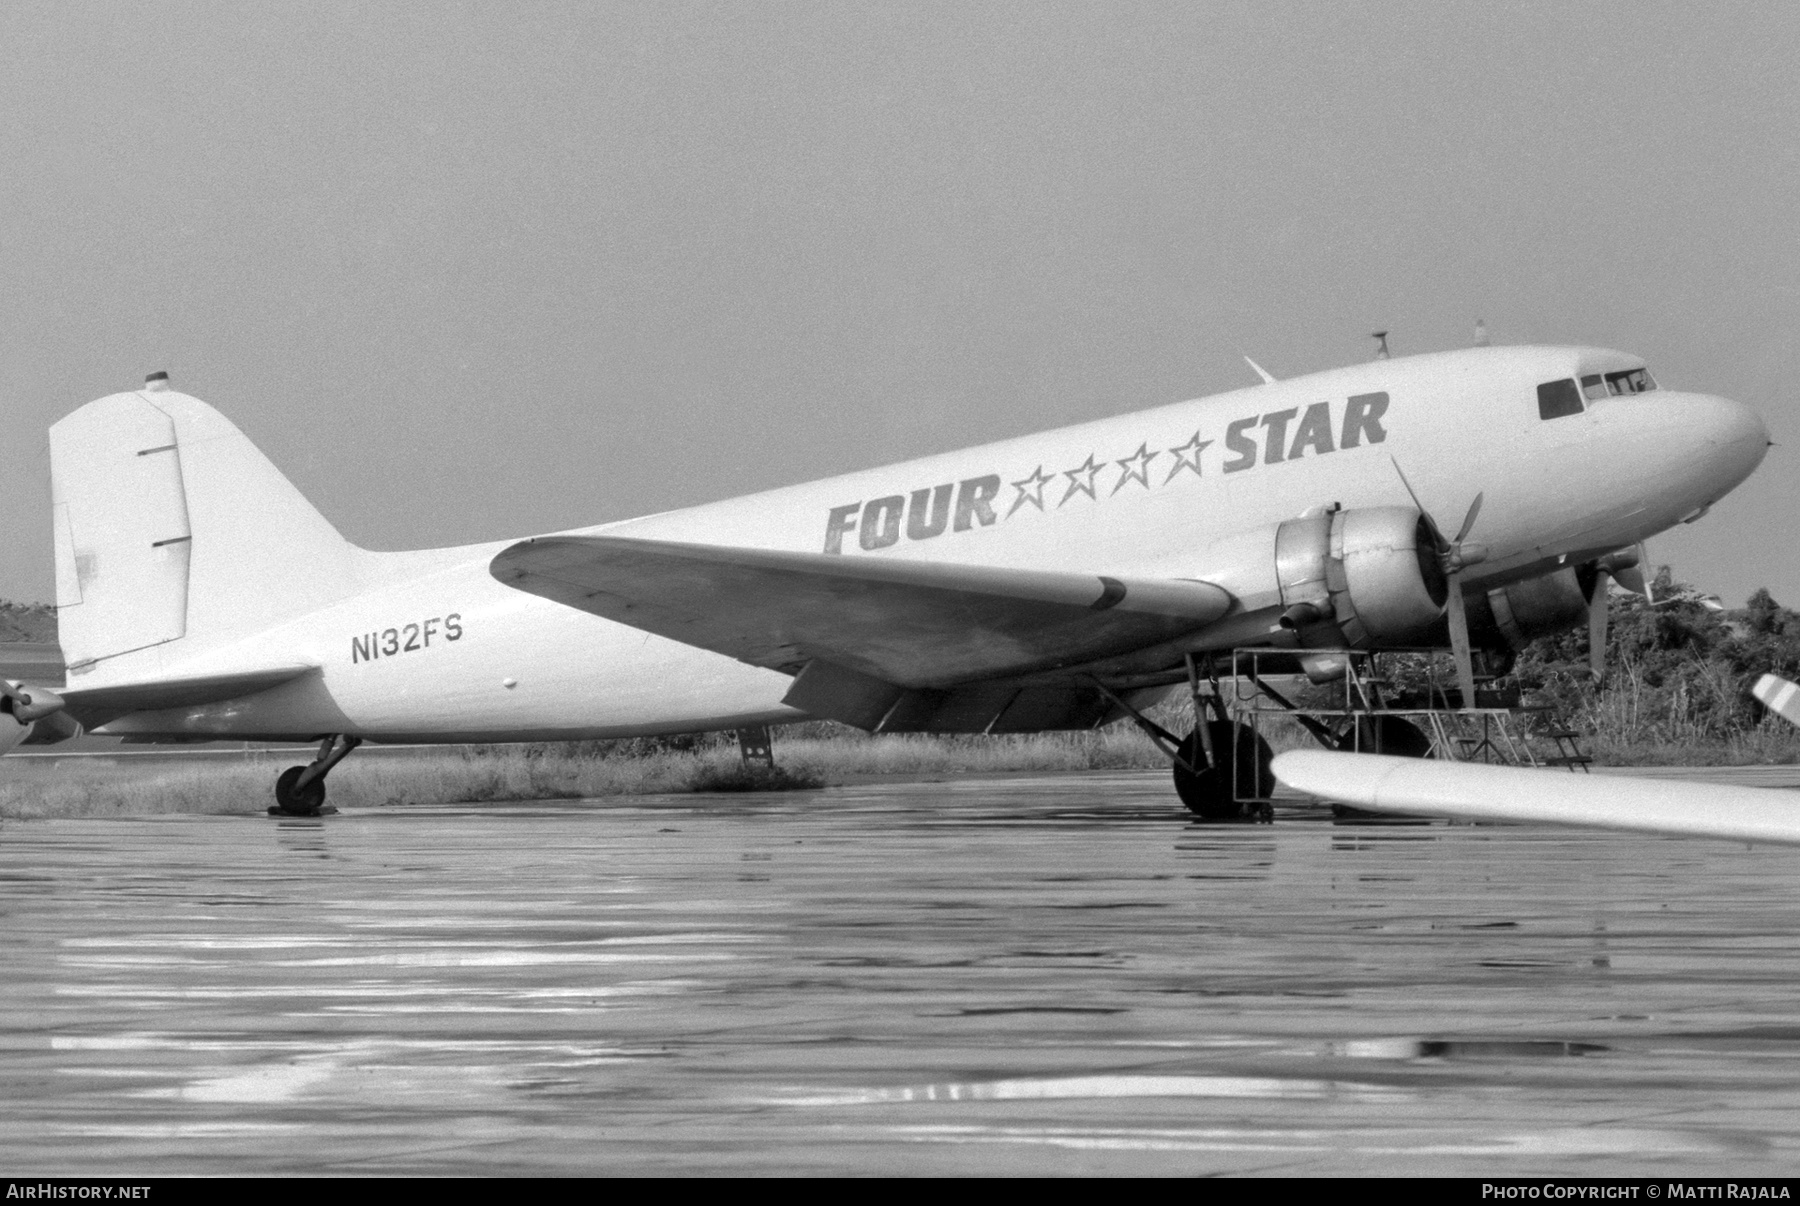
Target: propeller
[1454, 556]
[1626, 567]
[28, 706]
[1631, 576]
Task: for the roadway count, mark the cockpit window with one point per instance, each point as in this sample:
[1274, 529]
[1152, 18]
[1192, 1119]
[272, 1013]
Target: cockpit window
[1558, 398]
[1593, 387]
[1631, 381]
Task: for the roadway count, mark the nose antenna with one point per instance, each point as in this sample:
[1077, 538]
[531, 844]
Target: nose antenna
[1481, 335]
[1381, 347]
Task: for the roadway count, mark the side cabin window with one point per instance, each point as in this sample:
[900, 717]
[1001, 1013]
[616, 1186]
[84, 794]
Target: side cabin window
[1631, 381]
[1558, 398]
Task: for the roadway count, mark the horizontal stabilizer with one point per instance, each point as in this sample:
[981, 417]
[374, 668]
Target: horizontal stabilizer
[96, 705]
[1475, 792]
[909, 623]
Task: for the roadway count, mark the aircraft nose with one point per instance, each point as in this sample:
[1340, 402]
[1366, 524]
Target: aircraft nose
[1731, 428]
[1724, 441]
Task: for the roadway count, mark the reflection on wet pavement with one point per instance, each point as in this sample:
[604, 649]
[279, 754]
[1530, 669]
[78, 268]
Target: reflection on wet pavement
[1019, 975]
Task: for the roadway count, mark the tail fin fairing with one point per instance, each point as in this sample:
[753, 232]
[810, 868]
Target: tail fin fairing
[123, 539]
[175, 535]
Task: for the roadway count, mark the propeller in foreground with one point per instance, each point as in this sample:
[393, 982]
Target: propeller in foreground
[1455, 555]
[1626, 567]
[25, 706]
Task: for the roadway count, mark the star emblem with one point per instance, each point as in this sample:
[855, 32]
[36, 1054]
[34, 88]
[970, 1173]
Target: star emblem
[1136, 467]
[1088, 469]
[1031, 490]
[1187, 457]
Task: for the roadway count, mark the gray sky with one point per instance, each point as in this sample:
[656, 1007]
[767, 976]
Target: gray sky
[470, 272]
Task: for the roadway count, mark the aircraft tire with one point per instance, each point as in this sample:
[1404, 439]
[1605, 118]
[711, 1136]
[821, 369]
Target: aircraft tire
[1393, 735]
[1209, 794]
[303, 803]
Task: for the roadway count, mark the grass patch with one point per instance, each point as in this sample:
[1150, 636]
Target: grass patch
[753, 776]
[807, 756]
[810, 755]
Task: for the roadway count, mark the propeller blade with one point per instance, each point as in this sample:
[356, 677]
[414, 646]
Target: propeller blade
[11, 733]
[1451, 554]
[1437, 533]
[1631, 577]
[1458, 616]
[1469, 519]
[1597, 616]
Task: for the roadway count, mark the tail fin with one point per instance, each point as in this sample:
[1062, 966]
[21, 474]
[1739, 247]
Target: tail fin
[175, 535]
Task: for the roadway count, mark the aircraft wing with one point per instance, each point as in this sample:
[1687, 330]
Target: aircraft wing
[1476, 792]
[913, 624]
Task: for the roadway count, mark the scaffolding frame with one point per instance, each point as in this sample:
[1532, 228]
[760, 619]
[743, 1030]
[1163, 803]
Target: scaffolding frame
[1485, 732]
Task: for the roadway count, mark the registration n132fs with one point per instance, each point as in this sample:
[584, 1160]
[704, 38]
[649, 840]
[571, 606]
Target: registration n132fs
[1469, 499]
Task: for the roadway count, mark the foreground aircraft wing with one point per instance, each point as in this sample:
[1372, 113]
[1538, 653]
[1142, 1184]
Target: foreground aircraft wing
[1476, 792]
[908, 623]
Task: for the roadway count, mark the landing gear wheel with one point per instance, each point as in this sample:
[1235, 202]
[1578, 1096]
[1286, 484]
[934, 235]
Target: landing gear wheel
[1209, 794]
[303, 802]
[1386, 735]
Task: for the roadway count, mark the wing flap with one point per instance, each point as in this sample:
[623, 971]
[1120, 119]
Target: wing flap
[1474, 792]
[907, 623]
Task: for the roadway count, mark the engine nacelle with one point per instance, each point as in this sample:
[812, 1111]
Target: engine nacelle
[33, 715]
[1520, 612]
[26, 703]
[1360, 578]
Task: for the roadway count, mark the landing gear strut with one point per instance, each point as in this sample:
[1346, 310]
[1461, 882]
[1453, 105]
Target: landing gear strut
[1232, 783]
[1221, 768]
[300, 791]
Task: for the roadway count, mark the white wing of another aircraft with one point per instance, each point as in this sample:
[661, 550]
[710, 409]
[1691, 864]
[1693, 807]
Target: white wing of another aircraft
[1475, 792]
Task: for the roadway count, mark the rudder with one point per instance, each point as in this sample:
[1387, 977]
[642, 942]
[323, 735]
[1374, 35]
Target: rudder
[174, 534]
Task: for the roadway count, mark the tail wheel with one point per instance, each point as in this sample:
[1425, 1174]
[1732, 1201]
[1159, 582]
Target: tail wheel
[303, 801]
[1240, 760]
[1387, 735]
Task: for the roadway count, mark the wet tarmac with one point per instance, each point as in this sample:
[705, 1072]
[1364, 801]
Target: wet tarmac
[1044, 975]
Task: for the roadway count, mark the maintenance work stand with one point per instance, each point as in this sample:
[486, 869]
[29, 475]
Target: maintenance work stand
[1399, 702]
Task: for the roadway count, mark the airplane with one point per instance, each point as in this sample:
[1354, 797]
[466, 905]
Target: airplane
[1062, 580]
[1469, 791]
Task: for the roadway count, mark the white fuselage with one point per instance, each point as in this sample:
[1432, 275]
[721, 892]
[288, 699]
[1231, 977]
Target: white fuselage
[435, 649]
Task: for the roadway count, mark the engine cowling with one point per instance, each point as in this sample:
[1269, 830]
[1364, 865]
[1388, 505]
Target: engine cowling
[32, 714]
[1360, 578]
[1520, 612]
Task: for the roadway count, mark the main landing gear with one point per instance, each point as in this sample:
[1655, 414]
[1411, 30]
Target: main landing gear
[1222, 772]
[1221, 768]
[300, 791]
